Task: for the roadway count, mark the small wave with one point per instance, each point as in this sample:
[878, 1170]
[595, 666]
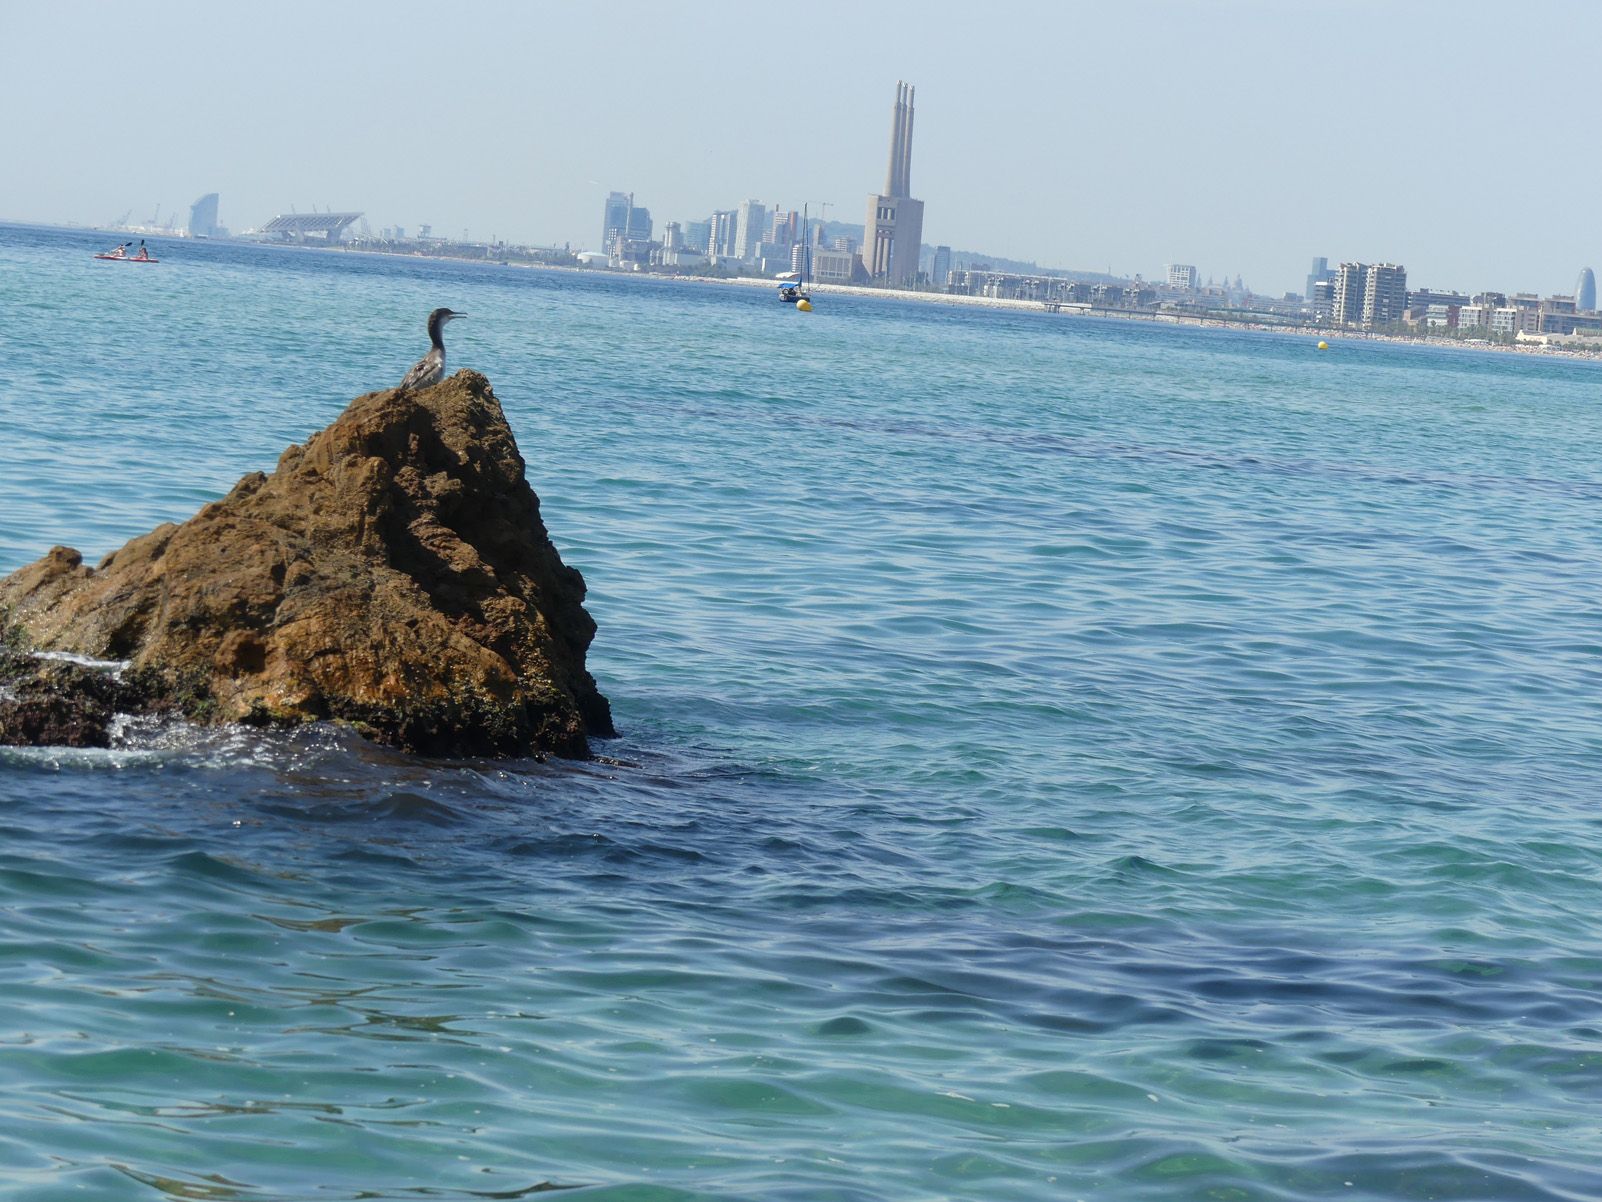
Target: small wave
[84, 661]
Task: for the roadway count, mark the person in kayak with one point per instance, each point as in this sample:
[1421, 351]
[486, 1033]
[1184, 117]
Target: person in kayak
[143, 253]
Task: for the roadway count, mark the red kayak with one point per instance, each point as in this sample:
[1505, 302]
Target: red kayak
[126, 259]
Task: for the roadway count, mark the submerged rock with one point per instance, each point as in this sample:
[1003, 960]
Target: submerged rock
[393, 573]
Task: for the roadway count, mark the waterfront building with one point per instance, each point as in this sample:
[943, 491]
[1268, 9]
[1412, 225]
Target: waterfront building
[1557, 315]
[1423, 304]
[1183, 276]
[940, 271]
[893, 232]
[203, 217]
[833, 266]
[1346, 298]
[697, 236]
[616, 220]
[1441, 317]
[1322, 298]
[1384, 294]
[1368, 294]
[672, 236]
[1585, 291]
[1504, 320]
[1473, 317]
[639, 223]
[750, 230]
[1528, 306]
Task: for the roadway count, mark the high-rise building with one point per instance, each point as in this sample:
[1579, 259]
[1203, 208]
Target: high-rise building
[1319, 273]
[203, 217]
[1322, 298]
[1384, 294]
[940, 273]
[1346, 305]
[1584, 290]
[639, 223]
[750, 230]
[1369, 294]
[786, 228]
[616, 222]
[893, 232]
[1183, 276]
[722, 230]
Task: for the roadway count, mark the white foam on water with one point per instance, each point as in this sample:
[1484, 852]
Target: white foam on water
[84, 661]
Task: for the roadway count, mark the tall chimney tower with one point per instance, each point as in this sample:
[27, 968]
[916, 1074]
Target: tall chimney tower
[893, 232]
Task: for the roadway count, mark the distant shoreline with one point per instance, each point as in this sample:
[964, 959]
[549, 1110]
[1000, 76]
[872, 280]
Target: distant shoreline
[1322, 333]
[1067, 310]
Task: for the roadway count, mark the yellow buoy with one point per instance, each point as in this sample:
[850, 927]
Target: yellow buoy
[804, 305]
[1323, 346]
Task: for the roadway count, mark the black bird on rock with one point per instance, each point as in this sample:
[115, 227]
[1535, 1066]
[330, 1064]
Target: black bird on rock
[430, 369]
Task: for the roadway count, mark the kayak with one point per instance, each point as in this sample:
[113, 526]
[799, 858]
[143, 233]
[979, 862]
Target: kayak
[126, 259]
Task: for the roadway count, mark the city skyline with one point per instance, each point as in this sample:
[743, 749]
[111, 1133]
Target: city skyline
[1208, 133]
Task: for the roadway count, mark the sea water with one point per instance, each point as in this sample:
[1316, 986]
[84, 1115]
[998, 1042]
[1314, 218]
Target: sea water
[1060, 759]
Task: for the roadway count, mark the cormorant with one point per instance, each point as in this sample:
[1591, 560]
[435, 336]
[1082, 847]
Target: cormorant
[430, 369]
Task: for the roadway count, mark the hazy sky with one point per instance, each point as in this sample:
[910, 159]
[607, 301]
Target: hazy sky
[1243, 136]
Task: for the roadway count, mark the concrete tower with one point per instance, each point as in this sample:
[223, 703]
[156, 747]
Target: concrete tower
[893, 231]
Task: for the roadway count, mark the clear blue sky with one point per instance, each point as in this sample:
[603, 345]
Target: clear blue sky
[1243, 136]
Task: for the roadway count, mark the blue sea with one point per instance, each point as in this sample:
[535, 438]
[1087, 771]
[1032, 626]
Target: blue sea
[1061, 759]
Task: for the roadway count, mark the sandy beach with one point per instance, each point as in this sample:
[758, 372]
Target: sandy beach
[1072, 310]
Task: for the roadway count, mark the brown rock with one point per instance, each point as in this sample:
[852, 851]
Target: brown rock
[393, 572]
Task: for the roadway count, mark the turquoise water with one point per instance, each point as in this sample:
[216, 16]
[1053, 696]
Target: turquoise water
[1060, 760]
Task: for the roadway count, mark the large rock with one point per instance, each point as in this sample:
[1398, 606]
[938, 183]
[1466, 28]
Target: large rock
[393, 573]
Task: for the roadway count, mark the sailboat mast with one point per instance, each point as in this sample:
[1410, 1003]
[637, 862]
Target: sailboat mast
[806, 246]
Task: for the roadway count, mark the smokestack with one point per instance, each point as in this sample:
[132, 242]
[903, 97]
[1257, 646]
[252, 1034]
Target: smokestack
[906, 146]
[897, 119]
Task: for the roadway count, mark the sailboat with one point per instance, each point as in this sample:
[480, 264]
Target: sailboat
[793, 290]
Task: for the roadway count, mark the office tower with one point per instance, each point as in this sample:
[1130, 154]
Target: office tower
[203, 217]
[1384, 294]
[616, 223]
[893, 232]
[1584, 289]
[940, 275]
[698, 236]
[639, 223]
[1318, 274]
[672, 236]
[751, 227]
[1183, 276]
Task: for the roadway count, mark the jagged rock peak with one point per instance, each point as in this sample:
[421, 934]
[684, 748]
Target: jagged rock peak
[394, 573]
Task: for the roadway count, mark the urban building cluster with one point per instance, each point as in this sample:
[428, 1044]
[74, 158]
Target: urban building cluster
[1376, 297]
[780, 241]
[887, 249]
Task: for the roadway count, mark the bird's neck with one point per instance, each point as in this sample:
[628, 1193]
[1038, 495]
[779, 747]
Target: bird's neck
[433, 335]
